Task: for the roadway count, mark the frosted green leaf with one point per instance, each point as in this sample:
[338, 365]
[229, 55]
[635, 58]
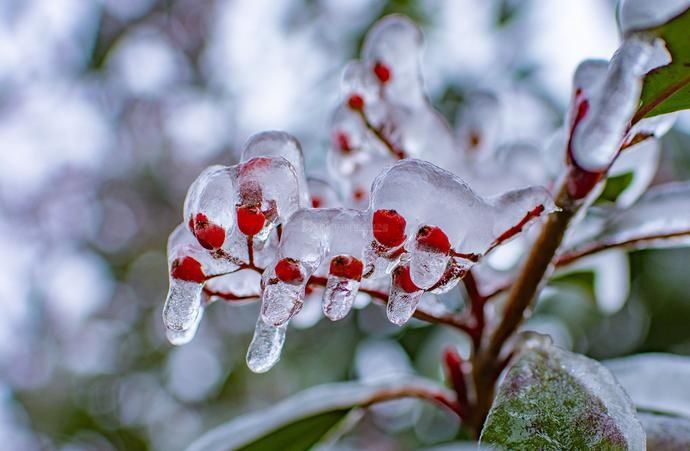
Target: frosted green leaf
[552, 399]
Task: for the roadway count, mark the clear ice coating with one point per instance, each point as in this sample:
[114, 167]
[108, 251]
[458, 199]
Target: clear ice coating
[424, 227]
[226, 208]
[598, 137]
[182, 306]
[404, 297]
[639, 15]
[660, 217]
[179, 337]
[279, 144]
[339, 297]
[420, 227]
[266, 346]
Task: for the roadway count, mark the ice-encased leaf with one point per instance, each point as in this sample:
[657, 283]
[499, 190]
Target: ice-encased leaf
[552, 399]
[611, 104]
[299, 420]
[665, 432]
[667, 88]
[655, 381]
[639, 163]
[640, 15]
[660, 218]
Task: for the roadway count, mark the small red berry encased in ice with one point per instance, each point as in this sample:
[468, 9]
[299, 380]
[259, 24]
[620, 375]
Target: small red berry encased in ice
[433, 239]
[356, 102]
[382, 72]
[250, 219]
[402, 279]
[347, 266]
[316, 202]
[187, 269]
[342, 142]
[209, 235]
[359, 194]
[289, 270]
[389, 227]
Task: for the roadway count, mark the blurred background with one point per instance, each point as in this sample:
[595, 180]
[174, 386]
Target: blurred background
[108, 111]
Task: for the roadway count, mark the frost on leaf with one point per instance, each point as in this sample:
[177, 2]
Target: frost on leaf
[552, 399]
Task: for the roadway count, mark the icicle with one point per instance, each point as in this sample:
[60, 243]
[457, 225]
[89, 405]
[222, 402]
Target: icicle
[182, 308]
[182, 337]
[283, 294]
[404, 297]
[266, 346]
[429, 256]
[342, 286]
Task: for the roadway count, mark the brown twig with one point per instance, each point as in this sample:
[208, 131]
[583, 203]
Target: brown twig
[575, 254]
[378, 132]
[487, 360]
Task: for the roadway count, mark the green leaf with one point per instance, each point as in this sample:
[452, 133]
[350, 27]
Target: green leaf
[667, 89]
[614, 187]
[552, 399]
[299, 435]
[306, 419]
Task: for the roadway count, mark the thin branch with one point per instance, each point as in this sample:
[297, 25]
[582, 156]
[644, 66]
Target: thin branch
[378, 132]
[575, 254]
[487, 361]
[230, 297]
[455, 321]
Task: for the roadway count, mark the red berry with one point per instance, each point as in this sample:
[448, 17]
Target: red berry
[289, 270]
[389, 227]
[382, 72]
[347, 266]
[342, 142]
[356, 102]
[187, 269]
[250, 219]
[433, 239]
[402, 279]
[359, 194]
[316, 201]
[209, 235]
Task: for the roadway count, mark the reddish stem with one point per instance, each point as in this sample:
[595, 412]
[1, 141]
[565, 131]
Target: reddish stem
[378, 132]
